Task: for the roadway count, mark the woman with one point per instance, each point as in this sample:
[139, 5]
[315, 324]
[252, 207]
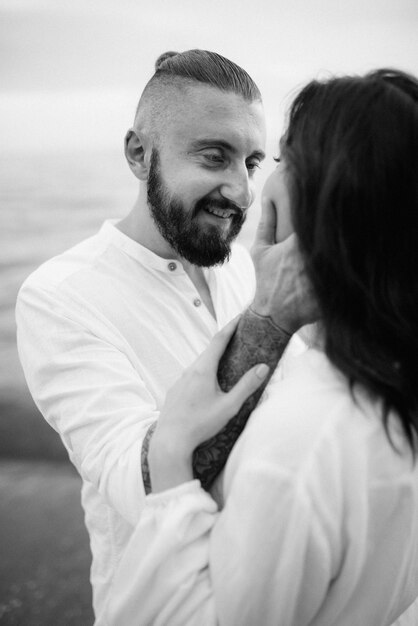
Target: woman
[320, 524]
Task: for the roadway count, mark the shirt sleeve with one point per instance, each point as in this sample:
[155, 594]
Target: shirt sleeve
[88, 390]
[263, 560]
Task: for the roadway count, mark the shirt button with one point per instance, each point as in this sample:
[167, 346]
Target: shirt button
[172, 266]
[197, 302]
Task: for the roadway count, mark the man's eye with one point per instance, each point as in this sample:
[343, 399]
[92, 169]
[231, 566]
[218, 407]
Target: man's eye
[214, 157]
[253, 165]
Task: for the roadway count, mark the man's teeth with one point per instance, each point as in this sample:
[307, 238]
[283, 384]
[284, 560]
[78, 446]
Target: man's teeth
[225, 213]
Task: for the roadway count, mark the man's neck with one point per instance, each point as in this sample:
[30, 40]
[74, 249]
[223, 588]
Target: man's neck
[139, 226]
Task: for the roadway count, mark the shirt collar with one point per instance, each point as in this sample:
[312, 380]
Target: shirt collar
[137, 251]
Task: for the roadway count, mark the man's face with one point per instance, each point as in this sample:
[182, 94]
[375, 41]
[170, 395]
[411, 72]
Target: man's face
[203, 245]
[201, 180]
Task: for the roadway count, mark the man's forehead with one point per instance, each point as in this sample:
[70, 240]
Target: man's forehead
[203, 112]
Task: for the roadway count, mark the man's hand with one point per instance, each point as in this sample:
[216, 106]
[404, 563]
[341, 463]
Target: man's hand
[283, 292]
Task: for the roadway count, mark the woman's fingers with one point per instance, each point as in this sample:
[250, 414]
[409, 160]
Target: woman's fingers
[218, 345]
[246, 386]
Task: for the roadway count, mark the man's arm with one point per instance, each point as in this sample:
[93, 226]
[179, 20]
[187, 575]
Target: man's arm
[283, 303]
[87, 390]
[257, 340]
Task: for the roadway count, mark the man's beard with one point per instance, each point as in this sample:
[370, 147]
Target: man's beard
[201, 245]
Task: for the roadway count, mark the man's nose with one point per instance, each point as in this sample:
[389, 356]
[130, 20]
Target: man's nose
[238, 188]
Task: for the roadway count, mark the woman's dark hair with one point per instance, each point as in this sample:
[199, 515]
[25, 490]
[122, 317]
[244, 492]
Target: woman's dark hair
[351, 153]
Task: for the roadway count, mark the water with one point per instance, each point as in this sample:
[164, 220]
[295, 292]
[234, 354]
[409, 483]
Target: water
[47, 204]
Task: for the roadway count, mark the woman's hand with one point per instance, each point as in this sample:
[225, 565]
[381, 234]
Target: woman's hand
[196, 409]
[283, 293]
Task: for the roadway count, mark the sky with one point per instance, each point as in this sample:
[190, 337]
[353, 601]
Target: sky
[72, 70]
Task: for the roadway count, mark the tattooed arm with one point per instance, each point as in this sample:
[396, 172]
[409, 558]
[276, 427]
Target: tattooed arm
[283, 303]
[256, 340]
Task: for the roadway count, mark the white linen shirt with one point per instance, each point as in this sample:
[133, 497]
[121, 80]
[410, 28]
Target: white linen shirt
[103, 331]
[319, 527]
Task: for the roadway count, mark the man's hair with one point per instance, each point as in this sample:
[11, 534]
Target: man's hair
[208, 68]
[182, 69]
[351, 154]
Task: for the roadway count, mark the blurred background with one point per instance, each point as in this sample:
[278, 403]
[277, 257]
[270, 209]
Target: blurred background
[71, 74]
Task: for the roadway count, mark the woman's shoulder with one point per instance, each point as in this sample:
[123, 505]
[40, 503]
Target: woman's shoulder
[313, 421]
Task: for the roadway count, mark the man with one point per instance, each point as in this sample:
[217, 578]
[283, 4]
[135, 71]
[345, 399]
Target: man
[107, 327]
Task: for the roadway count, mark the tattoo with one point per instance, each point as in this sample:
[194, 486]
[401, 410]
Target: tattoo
[146, 477]
[257, 340]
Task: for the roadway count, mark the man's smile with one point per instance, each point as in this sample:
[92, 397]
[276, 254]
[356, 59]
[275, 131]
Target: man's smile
[220, 209]
[222, 213]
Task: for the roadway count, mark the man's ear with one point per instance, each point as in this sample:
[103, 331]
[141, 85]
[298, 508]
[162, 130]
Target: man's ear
[135, 153]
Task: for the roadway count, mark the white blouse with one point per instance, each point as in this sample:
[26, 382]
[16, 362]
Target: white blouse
[319, 527]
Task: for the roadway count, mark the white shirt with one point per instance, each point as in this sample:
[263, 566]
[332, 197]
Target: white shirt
[319, 528]
[103, 331]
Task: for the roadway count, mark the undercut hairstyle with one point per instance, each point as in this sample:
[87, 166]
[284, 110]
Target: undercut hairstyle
[351, 157]
[182, 69]
[208, 68]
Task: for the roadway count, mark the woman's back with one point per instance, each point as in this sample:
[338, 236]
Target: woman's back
[315, 481]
